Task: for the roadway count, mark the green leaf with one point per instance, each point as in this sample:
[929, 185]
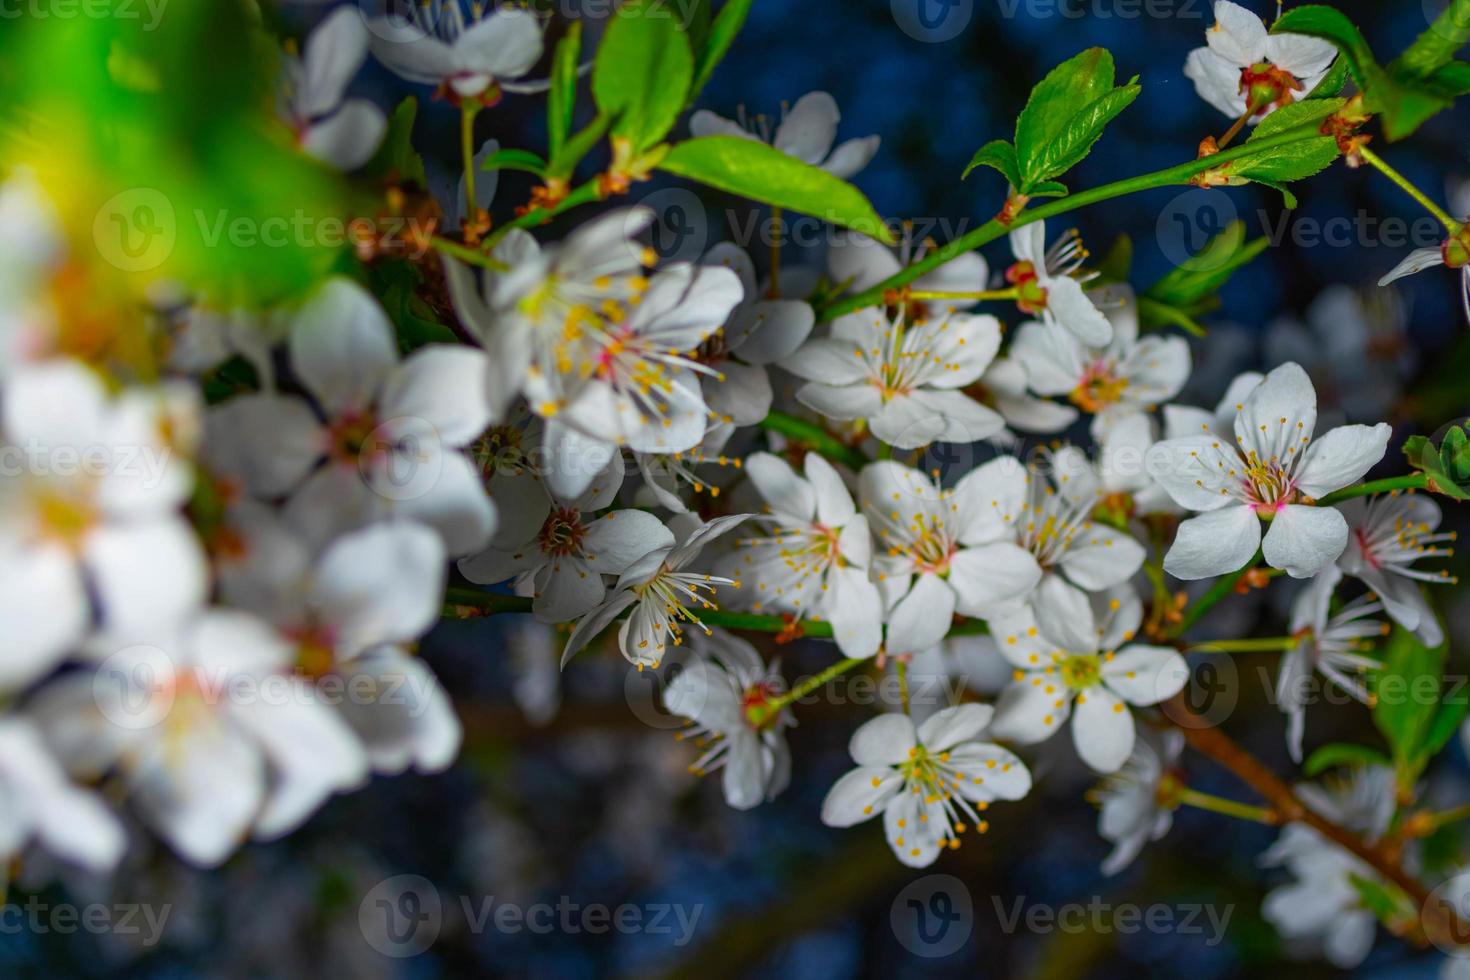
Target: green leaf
[1198, 279]
[1407, 699]
[1402, 100]
[1388, 903]
[762, 173]
[1446, 722]
[396, 285]
[1065, 114]
[998, 155]
[1287, 162]
[1076, 138]
[396, 155]
[1437, 45]
[1067, 89]
[561, 101]
[643, 72]
[1342, 754]
[1153, 314]
[694, 16]
[578, 146]
[1049, 188]
[1330, 87]
[722, 33]
[512, 159]
[1295, 114]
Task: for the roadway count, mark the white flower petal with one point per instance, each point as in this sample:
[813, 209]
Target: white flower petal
[1102, 730]
[1302, 540]
[1213, 544]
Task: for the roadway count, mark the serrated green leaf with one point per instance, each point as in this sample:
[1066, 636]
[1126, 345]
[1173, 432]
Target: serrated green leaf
[727, 24]
[643, 71]
[512, 159]
[762, 173]
[1342, 754]
[1065, 91]
[1295, 114]
[1075, 139]
[1287, 162]
[561, 101]
[998, 155]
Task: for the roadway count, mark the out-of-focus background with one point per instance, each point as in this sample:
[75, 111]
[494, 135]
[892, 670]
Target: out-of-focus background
[570, 840]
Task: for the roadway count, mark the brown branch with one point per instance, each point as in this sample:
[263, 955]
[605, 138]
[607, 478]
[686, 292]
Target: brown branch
[1440, 922]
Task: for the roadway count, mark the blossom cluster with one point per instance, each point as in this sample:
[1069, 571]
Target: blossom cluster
[217, 624]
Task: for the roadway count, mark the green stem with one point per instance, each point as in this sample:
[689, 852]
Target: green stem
[472, 256]
[1407, 186]
[1230, 808]
[585, 194]
[1265, 644]
[1413, 481]
[993, 229]
[1218, 591]
[902, 668]
[761, 712]
[775, 289]
[814, 437]
[981, 296]
[1445, 817]
[468, 109]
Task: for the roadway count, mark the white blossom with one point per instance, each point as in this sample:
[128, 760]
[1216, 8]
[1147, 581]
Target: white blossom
[1241, 61]
[1274, 472]
[930, 784]
[1075, 663]
[806, 131]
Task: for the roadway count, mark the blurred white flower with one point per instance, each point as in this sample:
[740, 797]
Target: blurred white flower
[805, 131]
[43, 809]
[931, 783]
[390, 437]
[903, 378]
[90, 522]
[761, 330]
[339, 131]
[1131, 810]
[479, 59]
[213, 734]
[562, 550]
[1332, 644]
[1128, 376]
[814, 560]
[718, 691]
[1386, 536]
[1321, 912]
